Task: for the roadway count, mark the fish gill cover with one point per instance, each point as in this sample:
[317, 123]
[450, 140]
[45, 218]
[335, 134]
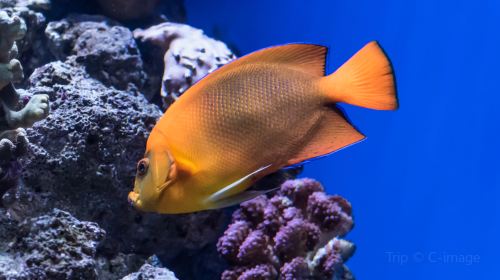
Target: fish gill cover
[64, 177]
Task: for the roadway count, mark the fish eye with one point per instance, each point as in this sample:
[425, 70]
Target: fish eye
[142, 167]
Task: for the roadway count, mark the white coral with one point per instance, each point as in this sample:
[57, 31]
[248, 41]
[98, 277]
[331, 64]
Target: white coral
[189, 55]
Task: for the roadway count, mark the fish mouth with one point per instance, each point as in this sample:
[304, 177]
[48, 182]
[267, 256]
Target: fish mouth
[133, 198]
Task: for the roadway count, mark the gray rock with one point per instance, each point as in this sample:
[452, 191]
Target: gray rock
[108, 51]
[11, 268]
[150, 272]
[31, 4]
[118, 266]
[8, 227]
[82, 159]
[92, 140]
[53, 246]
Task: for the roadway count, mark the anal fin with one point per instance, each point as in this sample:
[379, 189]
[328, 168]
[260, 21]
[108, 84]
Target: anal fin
[332, 133]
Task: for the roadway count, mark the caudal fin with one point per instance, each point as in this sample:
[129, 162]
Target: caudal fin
[365, 80]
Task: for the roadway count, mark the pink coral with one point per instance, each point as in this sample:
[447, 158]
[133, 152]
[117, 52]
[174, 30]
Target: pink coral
[291, 235]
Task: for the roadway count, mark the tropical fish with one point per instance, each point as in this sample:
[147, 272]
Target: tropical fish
[268, 110]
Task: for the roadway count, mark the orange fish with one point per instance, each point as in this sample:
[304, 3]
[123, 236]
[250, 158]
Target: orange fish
[265, 111]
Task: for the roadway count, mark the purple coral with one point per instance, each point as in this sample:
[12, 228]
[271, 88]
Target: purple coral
[295, 269]
[254, 248]
[332, 213]
[229, 244]
[296, 238]
[291, 235]
[258, 272]
[328, 261]
[254, 209]
[300, 190]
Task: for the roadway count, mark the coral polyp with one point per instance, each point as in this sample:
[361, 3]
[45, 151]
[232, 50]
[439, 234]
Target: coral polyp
[294, 234]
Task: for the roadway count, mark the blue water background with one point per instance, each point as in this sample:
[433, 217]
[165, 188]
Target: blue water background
[424, 185]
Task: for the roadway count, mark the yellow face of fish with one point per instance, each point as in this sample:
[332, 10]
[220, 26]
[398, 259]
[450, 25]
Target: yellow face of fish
[155, 172]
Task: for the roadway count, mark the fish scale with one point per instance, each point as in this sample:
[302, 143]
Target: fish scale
[247, 115]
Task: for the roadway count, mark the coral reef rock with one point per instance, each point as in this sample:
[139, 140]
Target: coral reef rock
[117, 266]
[108, 51]
[13, 141]
[83, 155]
[52, 246]
[151, 270]
[32, 47]
[30, 4]
[189, 55]
[82, 159]
[293, 235]
[8, 227]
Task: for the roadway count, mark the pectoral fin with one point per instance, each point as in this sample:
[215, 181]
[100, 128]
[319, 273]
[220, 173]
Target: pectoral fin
[235, 193]
[238, 198]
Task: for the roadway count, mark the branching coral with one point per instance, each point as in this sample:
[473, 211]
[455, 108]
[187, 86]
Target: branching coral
[13, 139]
[293, 235]
[32, 47]
[189, 55]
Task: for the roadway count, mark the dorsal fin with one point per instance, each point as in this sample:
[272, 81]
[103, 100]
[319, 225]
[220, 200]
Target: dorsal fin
[308, 58]
[333, 133]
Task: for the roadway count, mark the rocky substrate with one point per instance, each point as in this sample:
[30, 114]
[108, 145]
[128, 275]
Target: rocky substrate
[81, 160]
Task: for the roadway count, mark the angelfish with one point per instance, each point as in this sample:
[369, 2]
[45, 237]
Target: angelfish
[270, 109]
